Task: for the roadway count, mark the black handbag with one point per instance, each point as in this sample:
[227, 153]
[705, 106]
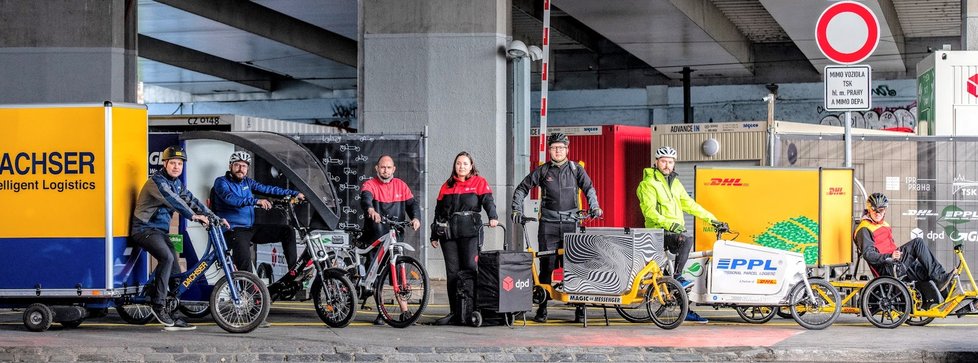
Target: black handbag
[439, 230]
[465, 225]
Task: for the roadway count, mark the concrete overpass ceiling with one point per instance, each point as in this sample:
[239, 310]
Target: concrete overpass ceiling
[279, 60]
[799, 17]
[190, 82]
[752, 20]
[669, 34]
[932, 18]
[601, 43]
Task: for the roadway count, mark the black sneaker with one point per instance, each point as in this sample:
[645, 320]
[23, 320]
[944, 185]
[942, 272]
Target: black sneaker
[579, 314]
[944, 284]
[180, 325]
[378, 320]
[405, 315]
[541, 316]
[446, 320]
[160, 314]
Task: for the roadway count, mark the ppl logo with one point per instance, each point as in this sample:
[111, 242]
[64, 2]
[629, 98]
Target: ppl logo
[727, 182]
[745, 264]
[835, 191]
[509, 283]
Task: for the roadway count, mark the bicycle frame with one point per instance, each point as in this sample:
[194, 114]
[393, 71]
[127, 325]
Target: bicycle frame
[388, 247]
[950, 304]
[216, 252]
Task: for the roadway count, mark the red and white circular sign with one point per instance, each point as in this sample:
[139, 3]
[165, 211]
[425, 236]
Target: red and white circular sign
[847, 32]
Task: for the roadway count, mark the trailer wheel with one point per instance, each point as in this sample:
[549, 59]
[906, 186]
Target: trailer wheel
[38, 317]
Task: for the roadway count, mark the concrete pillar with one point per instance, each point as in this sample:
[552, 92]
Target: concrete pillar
[439, 67]
[67, 51]
[969, 24]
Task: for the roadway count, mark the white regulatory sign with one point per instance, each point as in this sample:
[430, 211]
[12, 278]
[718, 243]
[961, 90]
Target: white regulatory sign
[847, 88]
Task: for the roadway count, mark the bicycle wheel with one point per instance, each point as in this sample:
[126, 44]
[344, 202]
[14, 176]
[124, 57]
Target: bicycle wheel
[919, 321]
[756, 314]
[815, 312]
[413, 291]
[886, 302]
[194, 309]
[252, 309]
[138, 314]
[671, 310]
[639, 313]
[334, 298]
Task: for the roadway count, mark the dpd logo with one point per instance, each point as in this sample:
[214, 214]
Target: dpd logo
[509, 283]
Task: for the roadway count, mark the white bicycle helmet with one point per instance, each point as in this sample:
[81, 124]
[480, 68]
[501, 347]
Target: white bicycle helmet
[666, 152]
[240, 156]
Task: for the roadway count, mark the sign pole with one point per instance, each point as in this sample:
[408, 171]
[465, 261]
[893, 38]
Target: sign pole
[848, 138]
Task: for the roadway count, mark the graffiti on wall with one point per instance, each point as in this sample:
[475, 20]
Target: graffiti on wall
[344, 116]
[877, 118]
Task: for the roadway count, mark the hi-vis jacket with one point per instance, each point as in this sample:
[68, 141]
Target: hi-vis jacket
[875, 241]
[663, 201]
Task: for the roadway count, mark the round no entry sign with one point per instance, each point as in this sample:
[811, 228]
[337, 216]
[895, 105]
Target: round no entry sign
[847, 32]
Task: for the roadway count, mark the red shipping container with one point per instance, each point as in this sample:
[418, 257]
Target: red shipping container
[614, 157]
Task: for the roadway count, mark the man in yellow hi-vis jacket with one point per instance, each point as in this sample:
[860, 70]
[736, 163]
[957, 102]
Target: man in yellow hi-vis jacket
[663, 199]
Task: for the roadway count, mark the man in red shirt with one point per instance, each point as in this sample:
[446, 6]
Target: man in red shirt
[386, 196]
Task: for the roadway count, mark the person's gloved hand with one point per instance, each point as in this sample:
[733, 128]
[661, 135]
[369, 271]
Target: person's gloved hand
[676, 228]
[596, 212]
[717, 224]
[517, 216]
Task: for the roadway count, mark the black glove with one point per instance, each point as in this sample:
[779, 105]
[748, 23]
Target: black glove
[596, 212]
[676, 228]
[517, 216]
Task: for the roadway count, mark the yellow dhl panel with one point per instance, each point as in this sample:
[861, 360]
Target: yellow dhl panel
[779, 208]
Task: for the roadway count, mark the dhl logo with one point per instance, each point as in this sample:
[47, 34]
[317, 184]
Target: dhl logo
[767, 282]
[729, 182]
[836, 191]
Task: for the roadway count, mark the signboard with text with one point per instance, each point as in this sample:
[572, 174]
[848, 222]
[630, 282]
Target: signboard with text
[847, 88]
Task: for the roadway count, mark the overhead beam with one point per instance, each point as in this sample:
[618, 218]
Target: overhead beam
[268, 23]
[566, 25]
[709, 18]
[186, 58]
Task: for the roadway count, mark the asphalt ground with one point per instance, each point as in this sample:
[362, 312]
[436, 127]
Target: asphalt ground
[297, 334]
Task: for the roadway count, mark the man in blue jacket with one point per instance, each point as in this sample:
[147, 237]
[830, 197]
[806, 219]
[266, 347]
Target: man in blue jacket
[160, 196]
[233, 200]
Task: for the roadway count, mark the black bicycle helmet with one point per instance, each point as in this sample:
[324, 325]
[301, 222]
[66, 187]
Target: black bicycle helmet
[558, 137]
[876, 201]
[174, 152]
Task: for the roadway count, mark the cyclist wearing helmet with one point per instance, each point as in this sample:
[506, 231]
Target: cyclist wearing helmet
[559, 181]
[663, 200]
[874, 237]
[159, 197]
[232, 199]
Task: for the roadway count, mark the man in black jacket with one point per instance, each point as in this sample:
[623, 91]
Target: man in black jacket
[559, 180]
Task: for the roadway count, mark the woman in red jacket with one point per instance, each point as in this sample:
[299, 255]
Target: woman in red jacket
[459, 202]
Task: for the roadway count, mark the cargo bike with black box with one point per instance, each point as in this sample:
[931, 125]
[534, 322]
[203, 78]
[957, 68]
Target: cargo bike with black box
[620, 268]
[499, 290]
